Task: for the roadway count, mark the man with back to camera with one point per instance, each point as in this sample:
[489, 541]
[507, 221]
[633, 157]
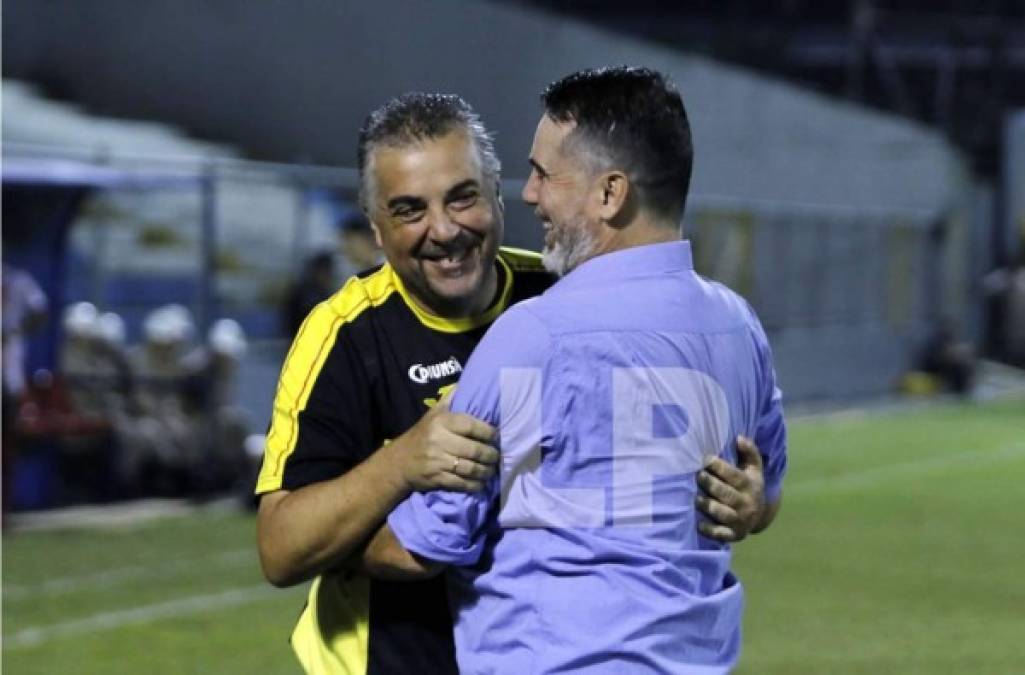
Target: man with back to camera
[378, 354]
[588, 554]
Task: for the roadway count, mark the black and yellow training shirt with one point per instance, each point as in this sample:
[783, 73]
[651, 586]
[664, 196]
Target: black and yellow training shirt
[365, 366]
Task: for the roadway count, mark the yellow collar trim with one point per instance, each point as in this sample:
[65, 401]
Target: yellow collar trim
[461, 325]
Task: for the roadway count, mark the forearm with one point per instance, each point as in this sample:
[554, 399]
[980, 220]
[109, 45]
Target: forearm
[384, 557]
[306, 531]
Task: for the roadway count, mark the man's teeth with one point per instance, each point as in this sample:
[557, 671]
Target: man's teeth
[454, 258]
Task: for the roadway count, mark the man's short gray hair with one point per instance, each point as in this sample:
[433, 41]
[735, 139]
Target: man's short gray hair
[416, 117]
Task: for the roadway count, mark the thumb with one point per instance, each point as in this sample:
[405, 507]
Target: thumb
[446, 400]
[747, 453]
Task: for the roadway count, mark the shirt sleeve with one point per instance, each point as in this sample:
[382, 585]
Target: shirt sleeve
[450, 527]
[322, 423]
[771, 431]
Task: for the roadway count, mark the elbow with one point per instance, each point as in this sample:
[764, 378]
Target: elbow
[406, 568]
[385, 558]
[276, 571]
[279, 561]
[277, 579]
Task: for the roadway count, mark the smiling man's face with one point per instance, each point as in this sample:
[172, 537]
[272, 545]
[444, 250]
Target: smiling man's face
[438, 220]
[562, 192]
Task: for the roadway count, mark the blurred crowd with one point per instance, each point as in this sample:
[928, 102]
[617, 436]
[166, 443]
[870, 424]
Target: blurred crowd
[156, 418]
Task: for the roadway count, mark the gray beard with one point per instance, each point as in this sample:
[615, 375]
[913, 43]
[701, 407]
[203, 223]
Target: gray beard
[575, 246]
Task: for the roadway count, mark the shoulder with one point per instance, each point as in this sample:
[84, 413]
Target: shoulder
[341, 315]
[725, 301]
[516, 340]
[739, 312]
[520, 259]
[360, 293]
[357, 298]
[519, 337]
[530, 278]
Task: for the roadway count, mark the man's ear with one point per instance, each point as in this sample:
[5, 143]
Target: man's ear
[498, 196]
[614, 190]
[377, 232]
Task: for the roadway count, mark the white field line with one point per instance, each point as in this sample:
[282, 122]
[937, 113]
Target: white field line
[102, 516]
[856, 480]
[197, 604]
[121, 575]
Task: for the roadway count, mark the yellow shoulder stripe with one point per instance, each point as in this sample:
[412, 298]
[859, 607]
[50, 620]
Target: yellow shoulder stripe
[520, 259]
[304, 362]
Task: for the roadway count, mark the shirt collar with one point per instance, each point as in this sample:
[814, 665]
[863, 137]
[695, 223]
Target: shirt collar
[637, 261]
[462, 324]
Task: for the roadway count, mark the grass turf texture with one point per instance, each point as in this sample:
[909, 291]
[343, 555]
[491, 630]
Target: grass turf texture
[899, 550]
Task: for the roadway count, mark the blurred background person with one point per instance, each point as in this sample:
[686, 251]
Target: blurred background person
[358, 243]
[96, 382]
[1006, 285]
[159, 446]
[321, 276]
[316, 282]
[24, 311]
[220, 425]
[949, 360]
[93, 362]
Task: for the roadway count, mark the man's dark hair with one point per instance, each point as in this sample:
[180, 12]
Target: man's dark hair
[415, 117]
[631, 119]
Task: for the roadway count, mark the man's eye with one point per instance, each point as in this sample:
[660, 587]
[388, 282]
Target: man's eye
[407, 215]
[464, 201]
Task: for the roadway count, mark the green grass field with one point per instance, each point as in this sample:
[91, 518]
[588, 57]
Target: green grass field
[900, 549]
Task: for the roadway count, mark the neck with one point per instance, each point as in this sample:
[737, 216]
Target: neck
[640, 232]
[488, 293]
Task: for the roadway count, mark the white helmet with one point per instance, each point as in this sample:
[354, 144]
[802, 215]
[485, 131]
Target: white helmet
[227, 338]
[181, 318]
[81, 320]
[168, 324]
[111, 329]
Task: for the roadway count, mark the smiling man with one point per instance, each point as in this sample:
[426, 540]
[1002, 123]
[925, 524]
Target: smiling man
[353, 429]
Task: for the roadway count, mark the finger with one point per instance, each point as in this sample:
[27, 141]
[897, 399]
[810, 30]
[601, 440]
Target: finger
[472, 451]
[446, 400]
[452, 446]
[717, 511]
[450, 481]
[719, 490]
[718, 532]
[726, 472]
[466, 468]
[469, 427]
[748, 453]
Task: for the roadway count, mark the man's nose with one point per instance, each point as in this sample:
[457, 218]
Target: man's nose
[529, 192]
[443, 228]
